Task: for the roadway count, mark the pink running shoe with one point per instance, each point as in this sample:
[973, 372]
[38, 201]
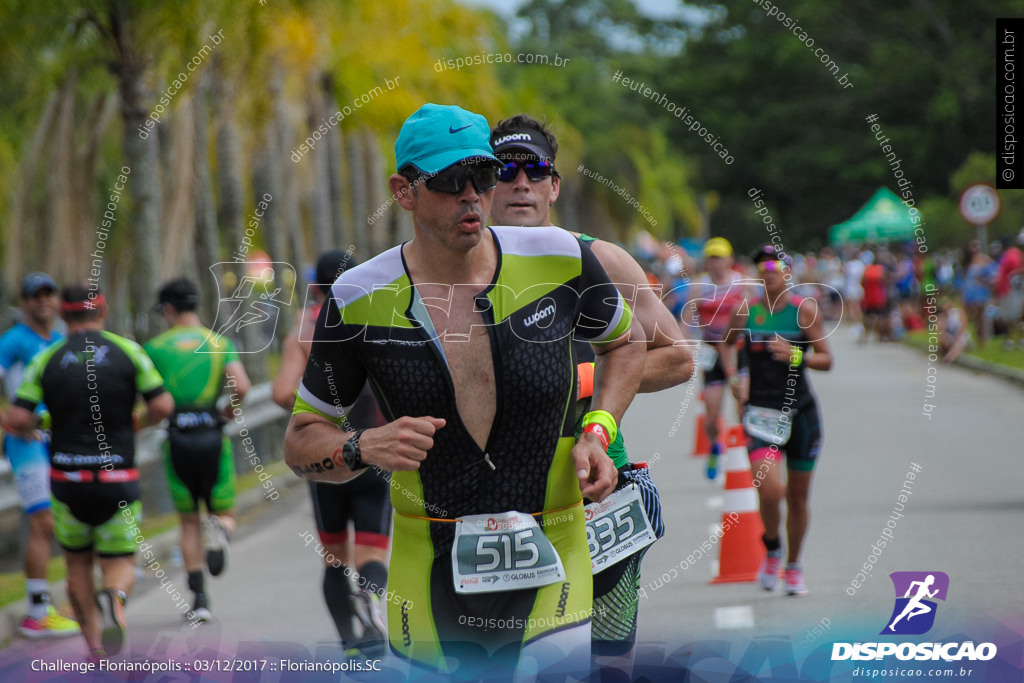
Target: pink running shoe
[768, 575]
[795, 580]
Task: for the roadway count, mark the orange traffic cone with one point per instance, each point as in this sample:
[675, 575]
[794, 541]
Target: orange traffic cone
[741, 550]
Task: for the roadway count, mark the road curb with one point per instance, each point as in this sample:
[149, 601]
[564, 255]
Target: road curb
[247, 503]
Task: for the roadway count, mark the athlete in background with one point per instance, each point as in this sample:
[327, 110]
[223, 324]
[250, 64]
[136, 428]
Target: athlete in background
[785, 337]
[30, 461]
[364, 501]
[714, 296]
[90, 382]
[528, 186]
[200, 467]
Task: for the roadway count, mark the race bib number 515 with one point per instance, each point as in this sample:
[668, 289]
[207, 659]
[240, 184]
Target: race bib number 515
[502, 552]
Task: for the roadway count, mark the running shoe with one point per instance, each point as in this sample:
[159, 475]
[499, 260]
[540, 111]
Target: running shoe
[51, 625]
[795, 580]
[112, 620]
[216, 545]
[200, 608]
[716, 450]
[768, 574]
[375, 632]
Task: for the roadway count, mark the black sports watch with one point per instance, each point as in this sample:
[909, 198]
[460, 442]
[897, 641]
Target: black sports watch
[351, 454]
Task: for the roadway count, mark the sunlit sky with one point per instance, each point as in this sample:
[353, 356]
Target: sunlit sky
[655, 9]
[652, 8]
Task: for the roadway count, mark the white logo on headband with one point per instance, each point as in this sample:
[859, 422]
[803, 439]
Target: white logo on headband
[512, 138]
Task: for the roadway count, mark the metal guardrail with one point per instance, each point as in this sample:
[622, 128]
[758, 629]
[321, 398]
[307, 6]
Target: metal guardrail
[258, 410]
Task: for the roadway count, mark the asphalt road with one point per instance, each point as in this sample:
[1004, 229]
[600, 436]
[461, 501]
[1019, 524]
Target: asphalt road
[963, 518]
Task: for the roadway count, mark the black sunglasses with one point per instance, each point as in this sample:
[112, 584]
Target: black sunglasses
[535, 170]
[452, 180]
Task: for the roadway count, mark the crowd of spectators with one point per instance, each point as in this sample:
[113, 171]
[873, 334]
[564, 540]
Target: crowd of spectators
[977, 292]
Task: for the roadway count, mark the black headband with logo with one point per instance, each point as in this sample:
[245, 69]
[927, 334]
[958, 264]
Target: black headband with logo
[530, 140]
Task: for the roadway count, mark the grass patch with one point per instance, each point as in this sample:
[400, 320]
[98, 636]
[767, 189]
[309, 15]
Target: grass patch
[252, 479]
[992, 353]
[12, 584]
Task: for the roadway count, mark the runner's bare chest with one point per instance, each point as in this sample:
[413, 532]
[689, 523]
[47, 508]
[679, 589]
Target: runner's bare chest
[467, 347]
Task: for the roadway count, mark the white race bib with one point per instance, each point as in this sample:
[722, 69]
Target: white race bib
[503, 552]
[708, 357]
[768, 425]
[617, 527]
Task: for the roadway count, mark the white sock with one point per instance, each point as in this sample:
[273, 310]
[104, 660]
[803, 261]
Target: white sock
[38, 593]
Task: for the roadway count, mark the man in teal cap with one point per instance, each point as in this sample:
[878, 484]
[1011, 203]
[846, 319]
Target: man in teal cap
[465, 334]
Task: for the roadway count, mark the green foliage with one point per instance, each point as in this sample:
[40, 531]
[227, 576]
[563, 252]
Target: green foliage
[924, 68]
[801, 136]
[980, 167]
[616, 136]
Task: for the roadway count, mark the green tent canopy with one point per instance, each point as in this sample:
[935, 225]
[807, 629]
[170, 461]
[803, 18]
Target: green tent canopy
[884, 218]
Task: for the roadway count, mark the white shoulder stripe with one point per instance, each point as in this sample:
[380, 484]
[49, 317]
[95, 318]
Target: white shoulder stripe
[606, 335]
[329, 410]
[546, 240]
[360, 281]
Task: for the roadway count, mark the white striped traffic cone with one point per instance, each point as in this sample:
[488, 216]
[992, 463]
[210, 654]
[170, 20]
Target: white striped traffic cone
[740, 551]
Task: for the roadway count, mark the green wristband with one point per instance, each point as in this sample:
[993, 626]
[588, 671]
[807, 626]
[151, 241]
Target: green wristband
[797, 357]
[603, 418]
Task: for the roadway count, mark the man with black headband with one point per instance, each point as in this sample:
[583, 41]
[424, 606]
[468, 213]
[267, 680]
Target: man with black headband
[90, 382]
[197, 365]
[465, 335]
[528, 186]
[356, 611]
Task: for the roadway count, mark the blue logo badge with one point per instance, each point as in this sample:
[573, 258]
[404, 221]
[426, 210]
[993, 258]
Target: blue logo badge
[914, 612]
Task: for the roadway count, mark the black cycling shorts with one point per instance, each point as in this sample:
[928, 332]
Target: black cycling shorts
[716, 375]
[200, 467]
[804, 443]
[365, 500]
[94, 503]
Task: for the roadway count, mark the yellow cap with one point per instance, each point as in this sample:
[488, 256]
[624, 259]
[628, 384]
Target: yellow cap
[717, 246]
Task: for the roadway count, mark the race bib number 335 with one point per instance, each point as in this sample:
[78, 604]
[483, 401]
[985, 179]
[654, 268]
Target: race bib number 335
[502, 552]
[617, 527]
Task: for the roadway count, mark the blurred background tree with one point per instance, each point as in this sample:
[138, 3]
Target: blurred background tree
[81, 76]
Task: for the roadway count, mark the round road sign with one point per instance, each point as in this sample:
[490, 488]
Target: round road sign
[979, 204]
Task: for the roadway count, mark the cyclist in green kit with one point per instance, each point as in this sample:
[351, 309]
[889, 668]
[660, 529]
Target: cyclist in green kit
[194, 363]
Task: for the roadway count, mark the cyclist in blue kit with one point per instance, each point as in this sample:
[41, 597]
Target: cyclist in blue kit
[30, 461]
